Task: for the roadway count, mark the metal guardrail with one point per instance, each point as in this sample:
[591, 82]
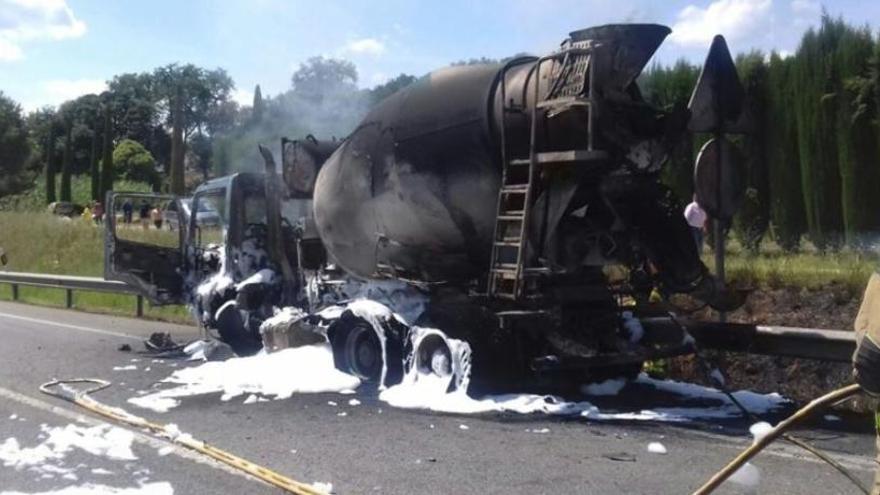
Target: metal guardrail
[808, 343]
[69, 283]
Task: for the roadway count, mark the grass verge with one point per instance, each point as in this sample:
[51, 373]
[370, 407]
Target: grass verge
[42, 243]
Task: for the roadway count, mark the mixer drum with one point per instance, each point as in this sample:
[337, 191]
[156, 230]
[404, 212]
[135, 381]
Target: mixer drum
[411, 194]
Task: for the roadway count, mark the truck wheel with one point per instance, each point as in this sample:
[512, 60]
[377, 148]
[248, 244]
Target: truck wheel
[358, 350]
[233, 331]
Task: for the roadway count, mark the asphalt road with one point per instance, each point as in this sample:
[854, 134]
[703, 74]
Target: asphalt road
[374, 448]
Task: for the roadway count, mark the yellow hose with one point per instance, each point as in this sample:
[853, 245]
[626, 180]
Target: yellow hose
[803, 413]
[82, 399]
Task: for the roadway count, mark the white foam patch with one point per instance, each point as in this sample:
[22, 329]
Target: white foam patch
[748, 477]
[657, 448]
[125, 368]
[307, 369]
[264, 276]
[101, 440]
[322, 486]
[609, 387]
[159, 488]
[760, 430]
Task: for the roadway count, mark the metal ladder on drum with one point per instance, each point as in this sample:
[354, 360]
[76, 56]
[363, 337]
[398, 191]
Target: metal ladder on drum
[509, 274]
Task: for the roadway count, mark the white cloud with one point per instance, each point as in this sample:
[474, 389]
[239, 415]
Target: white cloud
[9, 51]
[812, 7]
[31, 20]
[60, 90]
[365, 46]
[735, 19]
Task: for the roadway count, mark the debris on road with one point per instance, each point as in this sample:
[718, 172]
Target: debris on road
[161, 342]
[656, 448]
[620, 457]
[541, 430]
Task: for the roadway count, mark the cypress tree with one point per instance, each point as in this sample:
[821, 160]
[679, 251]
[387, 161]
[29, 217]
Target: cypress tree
[65, 166]
[752, 220]
[94, 171]
[856, 137]
[783, 163]
[107, 172]
[258, 105]
[669, 88]
[816, 109]
[50, 165]
[177, 145]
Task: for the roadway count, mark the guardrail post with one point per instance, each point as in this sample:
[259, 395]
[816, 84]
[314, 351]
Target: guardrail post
[15, 292]
[140, 306]
[68, 300]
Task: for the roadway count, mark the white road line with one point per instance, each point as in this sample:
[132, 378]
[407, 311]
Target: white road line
[155, 442]
[72, 327]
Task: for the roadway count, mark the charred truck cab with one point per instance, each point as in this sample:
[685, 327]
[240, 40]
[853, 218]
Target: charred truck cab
[505, 221]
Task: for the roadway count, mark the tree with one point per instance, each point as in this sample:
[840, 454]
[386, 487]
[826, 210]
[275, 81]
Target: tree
[15, 151]
[258, 107]
[858, 153]
[133, 162]
[203, 93]
[107, 172]
[751, 222]
[816, 86]
[65, 165]
[50, 165]
[94, 171]
[670, 88]
[783, 161]
[201, 154]
[383, 91]
[177, 146]
[319, 77]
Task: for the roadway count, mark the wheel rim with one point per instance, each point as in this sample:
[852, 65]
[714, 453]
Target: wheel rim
[363, 353]
[434, 356]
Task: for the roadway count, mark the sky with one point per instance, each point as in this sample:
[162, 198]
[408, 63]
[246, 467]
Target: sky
[55, 50]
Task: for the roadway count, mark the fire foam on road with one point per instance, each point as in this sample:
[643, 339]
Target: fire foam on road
[310, 369]
[307, 369]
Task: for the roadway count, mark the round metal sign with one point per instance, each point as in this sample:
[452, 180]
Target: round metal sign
[719, 182]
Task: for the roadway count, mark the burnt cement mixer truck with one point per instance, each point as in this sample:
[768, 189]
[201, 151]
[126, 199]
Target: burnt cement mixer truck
[513, 207]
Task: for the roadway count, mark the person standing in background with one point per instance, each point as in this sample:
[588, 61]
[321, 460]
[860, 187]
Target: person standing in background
[144, 214]
[696, 218]
[156, 217]
[87, 214]
[127, 210]
[98, 213]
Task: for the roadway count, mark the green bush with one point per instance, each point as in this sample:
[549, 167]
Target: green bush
[133, 162]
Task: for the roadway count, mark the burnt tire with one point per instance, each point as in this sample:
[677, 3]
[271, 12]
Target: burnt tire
[357, 349]
[235, 333]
